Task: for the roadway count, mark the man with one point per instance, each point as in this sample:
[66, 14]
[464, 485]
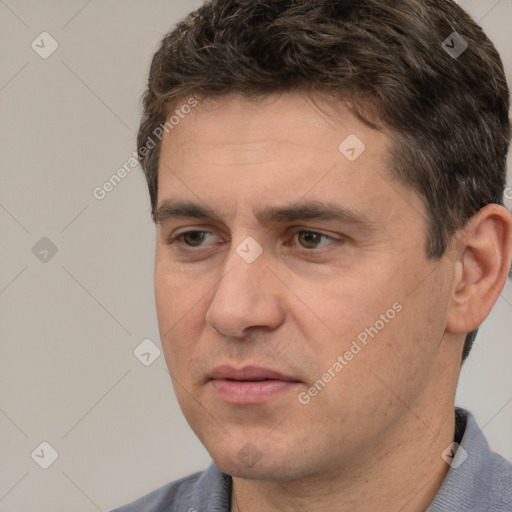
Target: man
[327, 181]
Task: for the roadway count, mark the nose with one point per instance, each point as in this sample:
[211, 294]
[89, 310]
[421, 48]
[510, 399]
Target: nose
[246, 297]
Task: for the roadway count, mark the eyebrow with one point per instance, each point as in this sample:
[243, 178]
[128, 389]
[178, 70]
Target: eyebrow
[309, 210]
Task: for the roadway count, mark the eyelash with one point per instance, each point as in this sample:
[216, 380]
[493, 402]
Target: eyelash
[179, 238]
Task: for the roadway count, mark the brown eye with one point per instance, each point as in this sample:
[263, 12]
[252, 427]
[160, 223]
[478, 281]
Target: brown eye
[188, 238]
[195, 237]
[308, 239]
[312, 239]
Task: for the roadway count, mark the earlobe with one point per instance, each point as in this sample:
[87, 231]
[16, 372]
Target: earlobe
[481, 269]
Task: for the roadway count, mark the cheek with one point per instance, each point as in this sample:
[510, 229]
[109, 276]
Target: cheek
[177, 295]
[375, 326]
[349, 306]
[180, 313]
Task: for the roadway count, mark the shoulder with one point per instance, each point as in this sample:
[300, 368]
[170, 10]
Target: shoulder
[478, 479]
[164, 498]
[210, 488]
[497, 476]
[492, 477]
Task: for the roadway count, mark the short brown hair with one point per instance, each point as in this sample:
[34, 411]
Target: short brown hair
[390, 61]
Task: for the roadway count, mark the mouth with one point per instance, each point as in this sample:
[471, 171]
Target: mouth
[250, 385]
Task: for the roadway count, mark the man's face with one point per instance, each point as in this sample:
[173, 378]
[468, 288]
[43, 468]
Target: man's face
[347, 310]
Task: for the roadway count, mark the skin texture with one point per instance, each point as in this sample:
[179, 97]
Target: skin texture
[372, 438]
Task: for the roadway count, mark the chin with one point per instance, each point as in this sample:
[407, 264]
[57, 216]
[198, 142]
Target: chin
[252, 463]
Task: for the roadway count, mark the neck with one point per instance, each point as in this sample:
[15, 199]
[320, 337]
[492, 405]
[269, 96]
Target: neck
[402, 472]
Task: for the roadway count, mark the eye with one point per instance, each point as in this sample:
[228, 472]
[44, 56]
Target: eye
[312, 239]
[307, 239]
[189, 238]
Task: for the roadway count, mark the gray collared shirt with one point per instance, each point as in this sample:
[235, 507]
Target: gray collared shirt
[478, 480]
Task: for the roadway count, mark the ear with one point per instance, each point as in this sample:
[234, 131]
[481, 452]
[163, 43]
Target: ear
[482, 265]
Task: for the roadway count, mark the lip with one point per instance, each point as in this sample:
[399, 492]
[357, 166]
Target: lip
[250, 384]
[252, 373]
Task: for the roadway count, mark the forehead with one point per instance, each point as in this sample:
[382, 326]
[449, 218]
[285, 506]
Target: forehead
[275, 150]
[273, 123]
[292, 129]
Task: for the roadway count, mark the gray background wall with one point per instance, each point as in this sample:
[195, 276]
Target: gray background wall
[70, 321]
